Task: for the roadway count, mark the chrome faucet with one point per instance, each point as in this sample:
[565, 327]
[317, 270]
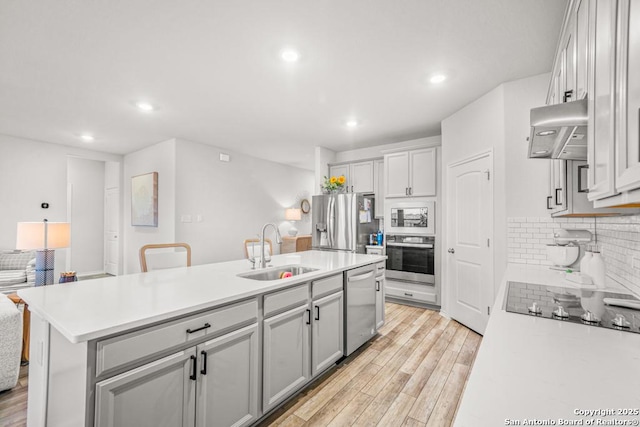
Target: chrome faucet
[263, 259]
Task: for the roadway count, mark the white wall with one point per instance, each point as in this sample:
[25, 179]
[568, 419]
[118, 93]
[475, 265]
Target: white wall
[527, 184]
[86, 179]
[323, 156]
[32, 172]
[157, 158]
[234, 199]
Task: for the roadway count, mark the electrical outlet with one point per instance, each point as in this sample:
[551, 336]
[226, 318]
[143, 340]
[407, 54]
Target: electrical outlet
[198, 218]
[185, 218]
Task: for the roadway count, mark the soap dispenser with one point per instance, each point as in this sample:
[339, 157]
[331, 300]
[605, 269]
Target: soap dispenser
[584, 262]
[596, 269]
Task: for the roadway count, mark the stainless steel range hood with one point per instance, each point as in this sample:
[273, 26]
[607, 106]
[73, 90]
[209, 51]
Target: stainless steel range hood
[559, 131]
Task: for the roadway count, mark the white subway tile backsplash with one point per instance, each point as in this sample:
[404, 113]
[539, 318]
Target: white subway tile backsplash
[617, 238]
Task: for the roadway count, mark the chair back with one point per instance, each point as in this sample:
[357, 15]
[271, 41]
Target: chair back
[164, 255]
[252, 248]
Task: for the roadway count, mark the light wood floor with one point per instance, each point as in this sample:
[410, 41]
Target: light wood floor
[13, 403]
[411, 374]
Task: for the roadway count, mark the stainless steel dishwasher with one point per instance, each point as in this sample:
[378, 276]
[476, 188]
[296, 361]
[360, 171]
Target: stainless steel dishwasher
[360, 312]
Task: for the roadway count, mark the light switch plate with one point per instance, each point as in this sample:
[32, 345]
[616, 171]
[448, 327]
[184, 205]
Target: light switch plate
[224, 157]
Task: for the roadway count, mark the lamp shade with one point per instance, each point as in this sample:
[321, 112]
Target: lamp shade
[43, 235]
[292, 214]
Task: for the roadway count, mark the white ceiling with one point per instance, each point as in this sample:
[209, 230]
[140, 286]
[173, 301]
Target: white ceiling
[213, 69]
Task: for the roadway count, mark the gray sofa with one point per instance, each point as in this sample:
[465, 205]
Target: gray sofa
[17, 270]
[10, 343]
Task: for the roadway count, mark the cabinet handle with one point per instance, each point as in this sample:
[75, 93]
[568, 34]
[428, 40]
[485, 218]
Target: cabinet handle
[549, 202]
[406, 191]
[193, 368]
[206, 325]
[557, 197]
[378, 285]
[408, 294]
[308, 316]
[203, 371]
[410, 191]
[352, 188]
[317, 312]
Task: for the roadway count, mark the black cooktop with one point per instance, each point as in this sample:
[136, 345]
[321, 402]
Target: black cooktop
[600, 308]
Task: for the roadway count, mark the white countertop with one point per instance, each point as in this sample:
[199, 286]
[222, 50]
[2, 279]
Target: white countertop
[86, 310]
[530, 368]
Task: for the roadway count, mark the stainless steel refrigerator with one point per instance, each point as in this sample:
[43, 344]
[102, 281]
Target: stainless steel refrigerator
[343, 222]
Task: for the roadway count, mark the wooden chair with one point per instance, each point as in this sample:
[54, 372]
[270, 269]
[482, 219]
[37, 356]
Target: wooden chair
[159, 258]
[252, 248]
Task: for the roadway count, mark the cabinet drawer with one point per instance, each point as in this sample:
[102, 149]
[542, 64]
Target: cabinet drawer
[118, 351]
[283, 300]
[326, 286]
[425, 294]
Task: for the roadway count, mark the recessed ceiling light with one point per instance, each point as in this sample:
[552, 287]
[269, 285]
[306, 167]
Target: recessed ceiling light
[86, 137]
[438, 78]
[352, 124]
[290, 55]
[145, 106]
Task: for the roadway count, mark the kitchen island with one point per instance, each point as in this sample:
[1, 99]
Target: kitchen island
[188, 345]
[537, 371]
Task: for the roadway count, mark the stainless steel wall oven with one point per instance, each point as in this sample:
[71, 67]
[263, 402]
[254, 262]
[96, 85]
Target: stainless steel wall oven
[411, 258]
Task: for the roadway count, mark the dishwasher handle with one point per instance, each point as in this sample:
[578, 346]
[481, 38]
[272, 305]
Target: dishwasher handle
[360, 277]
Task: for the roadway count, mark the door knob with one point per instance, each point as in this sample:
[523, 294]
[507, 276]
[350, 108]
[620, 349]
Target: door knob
[451, 251]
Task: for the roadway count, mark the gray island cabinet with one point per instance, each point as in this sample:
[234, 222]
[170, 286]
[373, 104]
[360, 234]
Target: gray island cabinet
[204, 348]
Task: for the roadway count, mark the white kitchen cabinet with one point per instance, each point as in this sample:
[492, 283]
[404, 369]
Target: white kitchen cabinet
[411, 173]
[378, 187]
[558, 187]
[601, 99]
[359, 176]
[628, 103]
[227, 390]
[286, 352]
[327, 332]
[158, 393]
[581, 28]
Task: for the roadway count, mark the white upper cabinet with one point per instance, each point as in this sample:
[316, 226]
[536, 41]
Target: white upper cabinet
[581, 26]
[378, 187]
[628, 106]
[602, 45]
[359, 176]
[411, 173]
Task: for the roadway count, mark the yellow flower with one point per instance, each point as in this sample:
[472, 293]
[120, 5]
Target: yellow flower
[341, 179]
[333, 179]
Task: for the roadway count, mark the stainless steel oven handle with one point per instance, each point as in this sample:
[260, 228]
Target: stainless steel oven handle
[412, 245]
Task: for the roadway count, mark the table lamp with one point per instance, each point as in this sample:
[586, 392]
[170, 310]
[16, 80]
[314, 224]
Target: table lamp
[292, 214]
[43, 236]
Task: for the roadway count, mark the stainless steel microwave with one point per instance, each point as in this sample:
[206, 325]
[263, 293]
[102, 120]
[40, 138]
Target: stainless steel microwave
[414, 217]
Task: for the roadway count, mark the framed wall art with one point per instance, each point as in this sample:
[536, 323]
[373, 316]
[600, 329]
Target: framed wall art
[144, 200]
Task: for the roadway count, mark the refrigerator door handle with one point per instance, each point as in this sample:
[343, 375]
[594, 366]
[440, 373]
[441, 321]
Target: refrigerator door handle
[330, 221]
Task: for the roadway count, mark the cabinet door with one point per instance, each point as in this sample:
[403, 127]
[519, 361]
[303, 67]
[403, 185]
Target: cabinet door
[581, 16]
[396, 174]
[160, 393]
[327, 332]
[628, 112]
[568, 56]
[422, 169]
[286, 364]
[379, 302]
[600, 153]
[361, 175]
[228, 386]
[558, 185]
[378, 187]
[341, 170]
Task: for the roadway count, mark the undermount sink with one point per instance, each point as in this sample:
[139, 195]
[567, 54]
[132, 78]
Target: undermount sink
[275, 274]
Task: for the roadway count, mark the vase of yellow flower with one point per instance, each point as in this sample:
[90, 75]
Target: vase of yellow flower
[333, 184]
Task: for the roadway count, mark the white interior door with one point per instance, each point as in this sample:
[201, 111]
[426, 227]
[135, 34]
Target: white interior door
[111, 231]
[469, 235]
